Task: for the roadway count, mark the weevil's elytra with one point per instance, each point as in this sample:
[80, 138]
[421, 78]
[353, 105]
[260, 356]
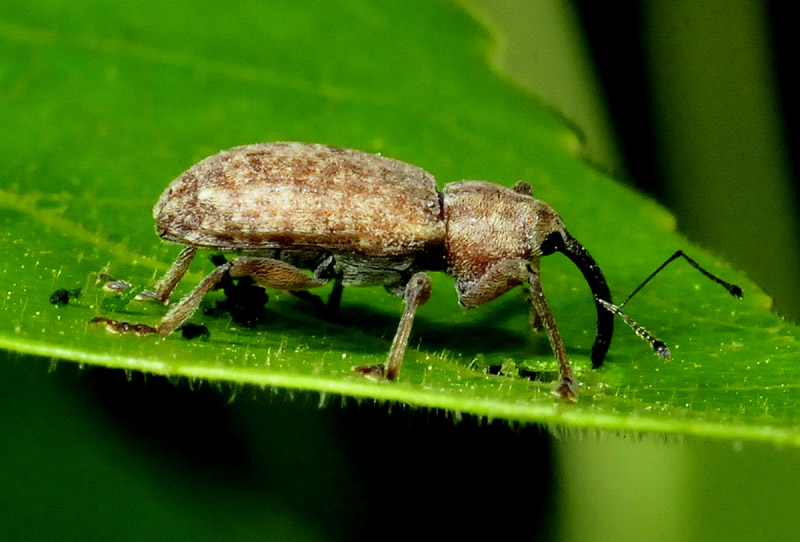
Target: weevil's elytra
[286, 195]
[361, 219]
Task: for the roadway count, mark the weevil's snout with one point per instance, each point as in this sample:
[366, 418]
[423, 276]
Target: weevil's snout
[562, 241]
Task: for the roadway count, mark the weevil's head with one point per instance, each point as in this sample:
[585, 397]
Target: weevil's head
[487, 225]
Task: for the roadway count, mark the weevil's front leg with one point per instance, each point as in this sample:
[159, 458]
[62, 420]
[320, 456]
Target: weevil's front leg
[534, 318]
[567, 385]
[417, 293]
[499, 279]
[170, 280]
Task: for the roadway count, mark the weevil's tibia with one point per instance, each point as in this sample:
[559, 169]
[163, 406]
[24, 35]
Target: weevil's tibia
[417, 293]
[732, 288]
[658, 346]
[181, 312]
[170, 280]
[567, 387]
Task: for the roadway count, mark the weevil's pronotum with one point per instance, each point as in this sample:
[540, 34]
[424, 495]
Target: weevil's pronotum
[360, 219]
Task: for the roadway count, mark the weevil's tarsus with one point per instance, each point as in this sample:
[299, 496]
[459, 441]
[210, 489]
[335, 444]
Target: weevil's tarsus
[417, 293]
[658, 346]
[118, 326]
[733, 289]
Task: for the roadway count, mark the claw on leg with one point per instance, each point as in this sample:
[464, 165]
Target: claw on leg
[567, 390]
[373, 372]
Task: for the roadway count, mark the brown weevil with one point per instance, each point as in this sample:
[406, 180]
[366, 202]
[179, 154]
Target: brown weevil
[360, 219]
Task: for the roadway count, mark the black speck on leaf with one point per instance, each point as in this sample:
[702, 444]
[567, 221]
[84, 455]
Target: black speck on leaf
[192, 331]
[62, 296]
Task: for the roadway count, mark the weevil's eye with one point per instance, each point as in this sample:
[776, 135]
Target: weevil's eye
[552, 243]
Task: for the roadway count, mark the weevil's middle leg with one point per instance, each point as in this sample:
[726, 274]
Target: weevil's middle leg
[417, 293]
[335, 297]
[327, 309]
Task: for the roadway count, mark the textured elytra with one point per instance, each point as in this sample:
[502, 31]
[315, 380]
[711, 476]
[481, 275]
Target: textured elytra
[297, 195]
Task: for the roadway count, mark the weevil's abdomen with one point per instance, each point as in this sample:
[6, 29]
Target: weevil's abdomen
[298, 195]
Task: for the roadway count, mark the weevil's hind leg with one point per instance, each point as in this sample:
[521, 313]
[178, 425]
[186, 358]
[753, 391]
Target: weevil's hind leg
[567, 387]
[170, 280]
[186, 306]
[274, 274]
[177, 315]
[266, 272]
[417, 293]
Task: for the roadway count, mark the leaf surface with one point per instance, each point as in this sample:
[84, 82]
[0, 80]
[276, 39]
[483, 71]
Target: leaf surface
[102, 108]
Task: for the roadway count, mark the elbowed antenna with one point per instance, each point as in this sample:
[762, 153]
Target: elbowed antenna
[658, 346]
[564, 242]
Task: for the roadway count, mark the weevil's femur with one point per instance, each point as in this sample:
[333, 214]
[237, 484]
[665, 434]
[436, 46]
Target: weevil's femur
[565, 243]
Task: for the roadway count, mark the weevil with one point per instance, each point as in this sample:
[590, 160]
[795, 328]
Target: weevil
[360, 219]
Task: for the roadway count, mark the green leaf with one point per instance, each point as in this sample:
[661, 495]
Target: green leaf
[101, 111]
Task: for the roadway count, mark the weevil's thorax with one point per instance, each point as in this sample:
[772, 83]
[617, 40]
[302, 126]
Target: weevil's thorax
[487, 223]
